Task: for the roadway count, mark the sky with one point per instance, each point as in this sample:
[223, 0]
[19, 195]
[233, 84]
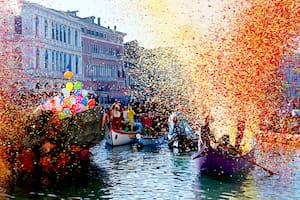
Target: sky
[151, 22]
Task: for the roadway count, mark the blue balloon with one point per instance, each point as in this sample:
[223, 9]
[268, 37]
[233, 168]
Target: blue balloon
[77, 93]
[84, 101]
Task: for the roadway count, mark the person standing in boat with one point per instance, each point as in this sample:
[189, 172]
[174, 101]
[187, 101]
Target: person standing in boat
[105, 118]
[116, 115]
[130, 115]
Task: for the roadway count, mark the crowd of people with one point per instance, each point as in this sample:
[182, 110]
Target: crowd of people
[135, 116]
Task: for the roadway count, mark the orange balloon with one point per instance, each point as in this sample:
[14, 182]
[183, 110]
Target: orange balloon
[68, 74]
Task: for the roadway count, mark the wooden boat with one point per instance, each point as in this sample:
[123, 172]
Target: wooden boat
[147, 140]
[115, 137]
[212, 162]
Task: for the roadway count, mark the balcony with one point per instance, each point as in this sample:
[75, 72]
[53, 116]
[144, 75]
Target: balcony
[104, 57]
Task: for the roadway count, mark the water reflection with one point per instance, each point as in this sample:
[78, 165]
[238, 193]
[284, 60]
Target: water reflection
[129, 172]
[78, 186]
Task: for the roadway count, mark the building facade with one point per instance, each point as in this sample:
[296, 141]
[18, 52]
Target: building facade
[51, 44]
[102, 58]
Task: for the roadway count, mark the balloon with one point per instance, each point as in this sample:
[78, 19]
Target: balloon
[84, 101]
[77, 85]
[62, 115]
[76, 92]
[65, 92]
[72, 100]
[67, 102]
[68, 74]
[67, 111]
[69, 86]
[73, 109]
[91, 103]
[84, 93]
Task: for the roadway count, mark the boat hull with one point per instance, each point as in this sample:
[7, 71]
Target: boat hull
[215, 163]
[151, 141]
[118, 137]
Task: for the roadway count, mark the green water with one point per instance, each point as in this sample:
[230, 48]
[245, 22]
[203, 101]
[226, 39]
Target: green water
[128, 172]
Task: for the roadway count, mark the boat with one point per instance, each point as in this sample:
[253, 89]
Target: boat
[148, 140]
[212, 162]
[116, 137]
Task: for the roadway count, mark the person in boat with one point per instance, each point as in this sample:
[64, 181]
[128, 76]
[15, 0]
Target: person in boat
[130, 115]
[105, 118]
[206, 135]
[116, 115]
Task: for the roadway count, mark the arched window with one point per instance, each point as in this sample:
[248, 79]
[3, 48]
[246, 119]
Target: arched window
[46, 59]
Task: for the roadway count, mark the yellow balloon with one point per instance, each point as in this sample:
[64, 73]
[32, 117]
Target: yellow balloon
[69, 86]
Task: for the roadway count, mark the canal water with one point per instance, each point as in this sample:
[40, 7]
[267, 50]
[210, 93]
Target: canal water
[129, 172]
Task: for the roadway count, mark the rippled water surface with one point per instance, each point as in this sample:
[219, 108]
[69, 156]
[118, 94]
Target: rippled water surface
[127, 172]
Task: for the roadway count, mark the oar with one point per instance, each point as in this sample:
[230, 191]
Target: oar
[255, 163]
[268, 170]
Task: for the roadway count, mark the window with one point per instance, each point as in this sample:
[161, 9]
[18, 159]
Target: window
[53, 31]
[60, 33]
[36, 26]
[82, 30]
[56, 61]
[65, 62]
[76, 38]
[61, 62]
[53, 60]
[18, 24]
[46, 29]
[56, 28]
[64, 34]
[69, 36]
[37, 58]
[46, 59]
[76, 65]
[70, 63]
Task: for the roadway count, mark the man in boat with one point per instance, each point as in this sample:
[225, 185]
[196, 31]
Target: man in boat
[116, 115]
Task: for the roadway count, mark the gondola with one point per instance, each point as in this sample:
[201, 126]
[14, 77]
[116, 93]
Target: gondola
[213, 162]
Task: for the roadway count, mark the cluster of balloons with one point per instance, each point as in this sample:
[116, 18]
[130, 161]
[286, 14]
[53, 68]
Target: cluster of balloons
[73, 99]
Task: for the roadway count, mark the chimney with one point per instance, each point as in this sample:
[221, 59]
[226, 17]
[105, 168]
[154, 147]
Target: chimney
[92, 18]
[108, 27]
[115, 27]
[98, 19]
